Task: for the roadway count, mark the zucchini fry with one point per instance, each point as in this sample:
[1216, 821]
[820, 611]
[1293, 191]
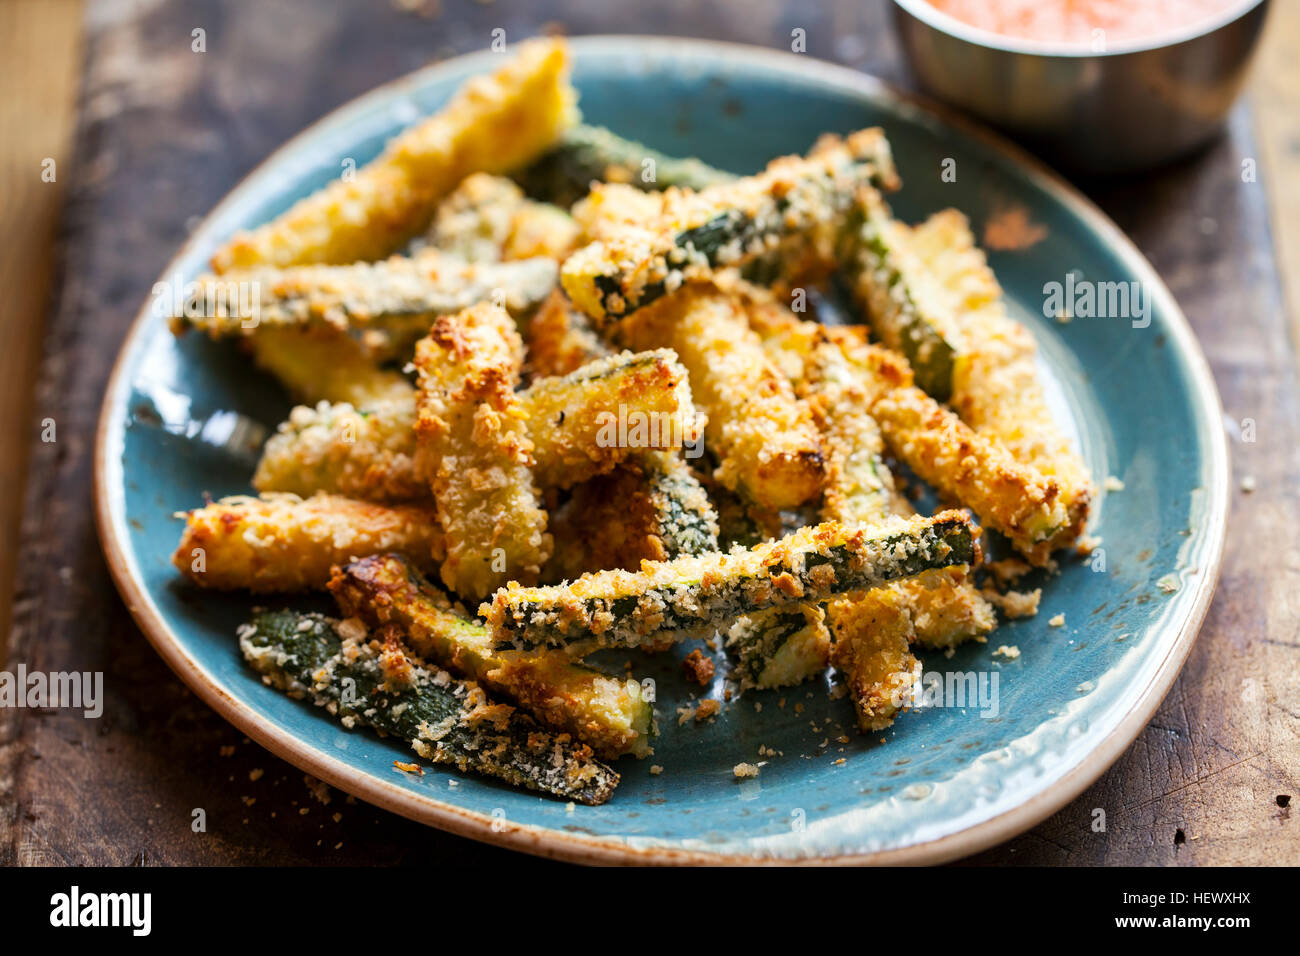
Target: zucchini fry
[906, 305]
[780, 647]
[324, 366]
[650, 508]
[965, 466]
[472, 447]
[567, 696]
[560, 339]
[631, 609]
[996, 388]
[725, 225]
[492, 124]
[592, 153]
[837, 375]
[281, 542]
[588, 421]
[398, 297]
[571, 422]
[488, 219]
[763, 436]
[374, 683]
[962, 464]
[366, 453]
[873, 632]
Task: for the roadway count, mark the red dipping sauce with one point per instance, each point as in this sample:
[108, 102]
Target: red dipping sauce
[1089, 23]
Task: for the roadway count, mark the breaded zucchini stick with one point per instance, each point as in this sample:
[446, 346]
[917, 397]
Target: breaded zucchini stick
[725, 225]
[572, 423]
[780, 647]
[650, 508]
[560, 339]
[607, 713]
[373, 682]
[324, 366]
[831, 369]
[631, 609]
[906, 305]
[612, 208]
[592, 153]
[873, 632]
[963, 465]
[366, 453]
[473, 449]
[393, 296]
[586, 422]
[493, 124]
[763, 436]
[488, 218]
[281, 542]
[996, 388]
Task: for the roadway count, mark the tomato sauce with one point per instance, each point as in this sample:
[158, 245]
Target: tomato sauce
[1078, 21]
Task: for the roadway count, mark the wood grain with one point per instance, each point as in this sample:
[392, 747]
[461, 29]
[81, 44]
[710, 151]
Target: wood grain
[163, 134]
[1275, 92]
[40, 47]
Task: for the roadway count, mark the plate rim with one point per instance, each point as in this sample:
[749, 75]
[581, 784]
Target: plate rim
[552, 843]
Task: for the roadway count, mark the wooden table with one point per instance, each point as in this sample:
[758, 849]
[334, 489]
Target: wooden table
[162, 132]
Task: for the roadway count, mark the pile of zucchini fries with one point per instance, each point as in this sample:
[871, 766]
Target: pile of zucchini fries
[552, 400]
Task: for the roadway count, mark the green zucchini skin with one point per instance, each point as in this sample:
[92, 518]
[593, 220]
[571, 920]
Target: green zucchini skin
[592, 153]
[566, 695]
[881, 288]
[750, 217]
[623, 609]
[778, 648]
[684, 517]
[397, 296]
[446, 721]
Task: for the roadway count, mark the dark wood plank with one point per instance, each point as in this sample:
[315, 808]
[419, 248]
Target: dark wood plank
[165, 132]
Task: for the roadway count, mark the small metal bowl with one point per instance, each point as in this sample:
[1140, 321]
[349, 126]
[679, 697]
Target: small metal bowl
[1115, 109]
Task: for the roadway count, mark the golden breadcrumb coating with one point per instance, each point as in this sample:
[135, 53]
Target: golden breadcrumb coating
[280, 542]
[321, 365]
[649, 508]
[842, 378]
[588, 421]
[763, 436]
[611, 207]
[369, 452]
[493, 124]
[488, 218]
[364, 453]
[672, 598]
[873, 633]
[996, 389]
[966, 466]
[609, 714]
[632, 265]
[392, 296]
[473, 449]
[560, 339]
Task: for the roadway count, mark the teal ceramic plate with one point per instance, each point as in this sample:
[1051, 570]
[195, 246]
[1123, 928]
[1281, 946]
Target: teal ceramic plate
[945, 780]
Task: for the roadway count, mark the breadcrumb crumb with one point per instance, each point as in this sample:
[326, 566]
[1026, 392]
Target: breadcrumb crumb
[698, 668]
[744, 771]
[1057, 621]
